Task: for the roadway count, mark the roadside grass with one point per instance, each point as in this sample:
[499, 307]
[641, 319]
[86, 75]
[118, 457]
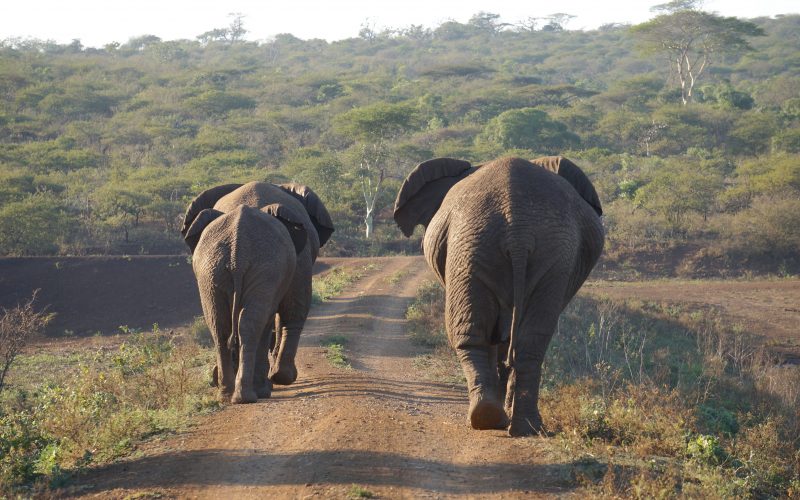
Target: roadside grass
[397, 276]
[64, 413]
[357, 491]
[335, 351]
[423, 316]
[425, 328]
[333, 282]
[659, 400]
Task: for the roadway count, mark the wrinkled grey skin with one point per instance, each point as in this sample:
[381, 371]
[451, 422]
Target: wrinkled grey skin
[511, 241]
[244, 262]
[305, 207]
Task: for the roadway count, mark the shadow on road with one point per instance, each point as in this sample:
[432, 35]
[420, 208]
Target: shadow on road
[368, 468]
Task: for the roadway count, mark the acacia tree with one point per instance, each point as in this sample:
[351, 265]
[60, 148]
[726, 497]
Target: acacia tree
[691, 39]
[374, 130]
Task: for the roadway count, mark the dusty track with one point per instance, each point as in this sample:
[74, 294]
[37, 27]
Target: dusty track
[381, 425]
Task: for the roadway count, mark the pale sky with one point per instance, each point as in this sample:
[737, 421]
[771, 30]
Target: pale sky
[98, 22]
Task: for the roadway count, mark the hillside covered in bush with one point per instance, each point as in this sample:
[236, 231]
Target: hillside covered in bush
[102, 148]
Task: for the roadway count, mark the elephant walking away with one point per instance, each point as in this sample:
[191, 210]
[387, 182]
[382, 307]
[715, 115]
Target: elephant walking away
[303, 205]
[244, 262]
[511, 242]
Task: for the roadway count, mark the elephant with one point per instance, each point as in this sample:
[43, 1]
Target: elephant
[244, 261]
[305, 206]
[511, 241]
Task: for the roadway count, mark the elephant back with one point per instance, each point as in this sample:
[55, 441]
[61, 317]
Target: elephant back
[205, 200]
[574, 175]
[261, 194]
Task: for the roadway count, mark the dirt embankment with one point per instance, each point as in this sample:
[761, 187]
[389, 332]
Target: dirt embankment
[99, 294]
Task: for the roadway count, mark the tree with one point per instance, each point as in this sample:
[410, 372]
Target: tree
[121, 208]
[34, 225]
[236, 31]
[232, 34]
[691, 39]
[374, 128]
[528, 128]
[487, 22]
[556, 22]
[680, 188]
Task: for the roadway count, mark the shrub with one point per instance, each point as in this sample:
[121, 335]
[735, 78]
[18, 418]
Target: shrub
[424, 315]
[17, 325]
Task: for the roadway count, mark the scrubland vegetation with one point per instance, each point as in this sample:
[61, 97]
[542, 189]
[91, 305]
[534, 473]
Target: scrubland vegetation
[656, 401]
[67, 410]
[101, 149]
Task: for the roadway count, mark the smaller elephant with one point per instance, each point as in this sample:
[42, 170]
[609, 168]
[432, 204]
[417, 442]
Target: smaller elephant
[244, 261]
[301, 204]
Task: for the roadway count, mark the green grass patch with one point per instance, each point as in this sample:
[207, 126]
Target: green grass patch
[357, 491]
[333, 282]
[397, 276]
[335, 351]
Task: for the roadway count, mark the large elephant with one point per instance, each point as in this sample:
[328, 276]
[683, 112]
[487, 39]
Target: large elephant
[511, 241]
[303, 205]
[244, 261]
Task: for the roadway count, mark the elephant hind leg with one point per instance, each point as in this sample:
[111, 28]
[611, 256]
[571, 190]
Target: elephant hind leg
[485, 409]
[536, 330]
[215, 310]
[252, 322]
[470, 317]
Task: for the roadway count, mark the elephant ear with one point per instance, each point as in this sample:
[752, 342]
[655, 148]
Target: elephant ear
[192, 234]
[574, 175]
[319, 215]
[422, 192]
[205, 200]
[296, 229]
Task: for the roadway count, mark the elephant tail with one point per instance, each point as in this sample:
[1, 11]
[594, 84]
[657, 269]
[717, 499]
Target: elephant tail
[519, 265]
[236, 310]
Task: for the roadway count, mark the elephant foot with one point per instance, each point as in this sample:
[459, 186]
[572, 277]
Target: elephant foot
[244, 396]
[265, 390]
[215, 378]
[225, 397]
[487, 413]
[526, 426]
[284, 375]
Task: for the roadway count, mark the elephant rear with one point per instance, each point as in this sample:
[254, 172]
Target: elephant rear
[510, 208]
[244, 263]
[511, 241]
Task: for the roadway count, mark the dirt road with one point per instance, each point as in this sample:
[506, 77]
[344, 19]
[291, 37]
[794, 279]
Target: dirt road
[381, 426]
